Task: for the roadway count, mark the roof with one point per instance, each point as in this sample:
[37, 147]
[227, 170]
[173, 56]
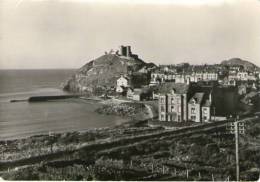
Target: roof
[179, 88]
[207, 103]
[142, 90]
[137, 91]
[251, 94]
[198, 97]
[125, 77]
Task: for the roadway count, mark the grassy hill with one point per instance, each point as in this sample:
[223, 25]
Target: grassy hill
[237, 61]
[102, 72]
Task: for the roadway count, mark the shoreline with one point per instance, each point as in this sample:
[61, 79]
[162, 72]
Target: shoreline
[89, 101]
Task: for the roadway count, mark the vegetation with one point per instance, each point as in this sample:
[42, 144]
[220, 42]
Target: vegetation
[200, 156]
[126, 109]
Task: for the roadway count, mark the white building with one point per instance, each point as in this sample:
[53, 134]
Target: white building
[242, 76]
[121, 83]
[205, 76]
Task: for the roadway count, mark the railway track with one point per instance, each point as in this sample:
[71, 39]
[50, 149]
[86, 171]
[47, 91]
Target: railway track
[104, 144]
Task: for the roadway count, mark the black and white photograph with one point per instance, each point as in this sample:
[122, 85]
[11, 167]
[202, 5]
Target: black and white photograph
[130, 90]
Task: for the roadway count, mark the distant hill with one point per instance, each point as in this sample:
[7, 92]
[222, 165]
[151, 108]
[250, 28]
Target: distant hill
[237, 61]
[103, 72]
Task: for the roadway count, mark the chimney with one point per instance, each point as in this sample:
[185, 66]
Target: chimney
[188, 81]
[210, 97]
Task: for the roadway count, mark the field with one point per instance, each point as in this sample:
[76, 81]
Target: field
[203, 152]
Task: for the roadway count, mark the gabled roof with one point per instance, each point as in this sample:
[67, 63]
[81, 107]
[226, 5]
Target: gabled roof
[179, 88]
[123, 77]
[198, 97]
[207, 103]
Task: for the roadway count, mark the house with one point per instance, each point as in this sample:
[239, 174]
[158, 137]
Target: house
[144, 69]
[232, 76]
[120, 89]
[142, 94]
[173, 102]
[121, 83]
[130, 93]
[242, 76]
[242, 89]
[206, 110]
[252, 77]
[194, 107]
[199, 107]
[236, 67]
[155, 95]
[137, 94]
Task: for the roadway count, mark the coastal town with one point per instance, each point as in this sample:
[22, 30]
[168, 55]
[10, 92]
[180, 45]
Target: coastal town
[130, 90]
[184, 92]
[181, 124]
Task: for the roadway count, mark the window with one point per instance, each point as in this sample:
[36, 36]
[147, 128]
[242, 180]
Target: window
[162, 117]
[162, 100]
[205, 118]
[192, 110]
[193, 118]
[172, 100]
[162, 109]
[204, 110]
[172, 108]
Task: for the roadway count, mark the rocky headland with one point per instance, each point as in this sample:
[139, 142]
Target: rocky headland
[101, 74]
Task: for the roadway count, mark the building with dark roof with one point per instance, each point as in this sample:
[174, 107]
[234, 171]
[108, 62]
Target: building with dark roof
[199, 107]
[182, 102]
[194, 107]
[173, 102]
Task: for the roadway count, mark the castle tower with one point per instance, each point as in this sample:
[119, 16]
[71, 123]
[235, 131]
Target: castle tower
[123, 50]
[128, 51]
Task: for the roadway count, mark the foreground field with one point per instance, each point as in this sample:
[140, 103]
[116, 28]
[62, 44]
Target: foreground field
[204, 152]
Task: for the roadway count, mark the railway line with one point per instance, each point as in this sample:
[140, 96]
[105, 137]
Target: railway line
[124, 141]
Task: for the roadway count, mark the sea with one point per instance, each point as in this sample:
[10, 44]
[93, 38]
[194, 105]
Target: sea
[24, 119]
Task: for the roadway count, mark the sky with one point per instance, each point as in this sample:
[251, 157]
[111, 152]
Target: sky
[43, 34]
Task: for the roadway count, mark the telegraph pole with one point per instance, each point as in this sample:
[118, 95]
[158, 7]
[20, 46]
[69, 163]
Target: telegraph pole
[237, 127]
[237, 153]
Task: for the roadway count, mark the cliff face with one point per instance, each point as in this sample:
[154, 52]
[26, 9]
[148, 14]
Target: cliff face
[102, 72]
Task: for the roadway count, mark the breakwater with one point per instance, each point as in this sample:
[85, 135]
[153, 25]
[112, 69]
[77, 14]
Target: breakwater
[47, 98]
